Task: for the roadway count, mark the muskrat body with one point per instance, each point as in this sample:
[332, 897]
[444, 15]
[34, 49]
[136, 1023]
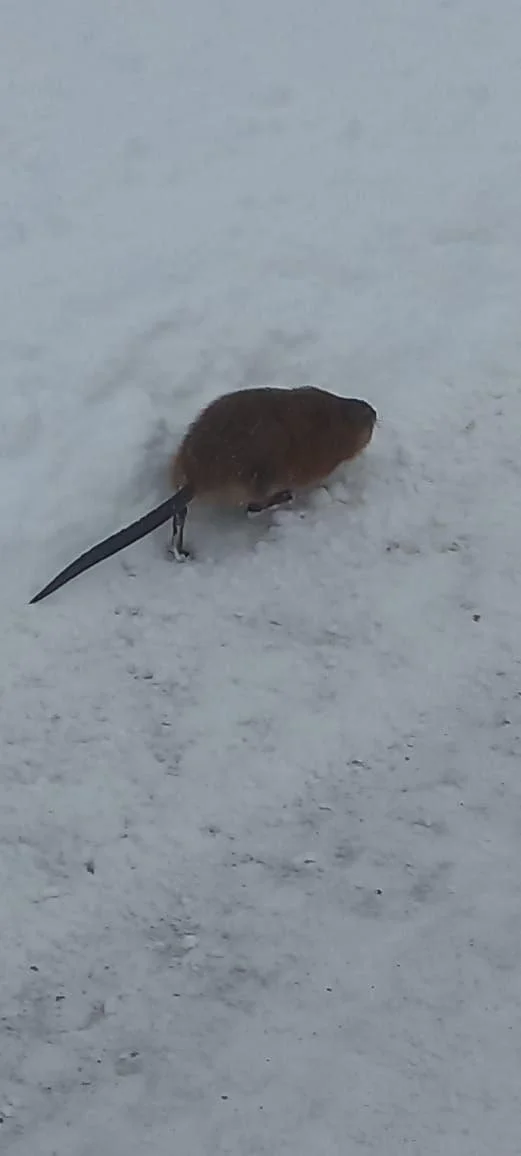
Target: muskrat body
[249, 444]
[252, 448]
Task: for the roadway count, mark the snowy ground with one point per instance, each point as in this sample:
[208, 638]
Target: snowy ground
[260, 815]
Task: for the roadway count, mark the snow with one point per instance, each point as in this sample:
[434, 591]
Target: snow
[259, 834]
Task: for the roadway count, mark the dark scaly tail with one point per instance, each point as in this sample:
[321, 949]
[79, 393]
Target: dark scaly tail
[119, 541]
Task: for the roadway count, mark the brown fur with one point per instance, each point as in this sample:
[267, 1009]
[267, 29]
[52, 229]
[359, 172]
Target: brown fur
[252, 443]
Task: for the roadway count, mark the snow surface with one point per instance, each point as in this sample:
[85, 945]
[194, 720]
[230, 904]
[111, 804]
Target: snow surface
[261, 815]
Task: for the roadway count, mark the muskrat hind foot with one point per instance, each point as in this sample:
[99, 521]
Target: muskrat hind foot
[179, 555]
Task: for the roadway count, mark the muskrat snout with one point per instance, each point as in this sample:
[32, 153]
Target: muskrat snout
[369, 412]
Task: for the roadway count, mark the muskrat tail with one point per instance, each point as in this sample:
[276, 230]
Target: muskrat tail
[119, 541]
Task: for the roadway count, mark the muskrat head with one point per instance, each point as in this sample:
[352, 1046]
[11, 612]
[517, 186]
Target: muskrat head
[366, 414]
[356, 429]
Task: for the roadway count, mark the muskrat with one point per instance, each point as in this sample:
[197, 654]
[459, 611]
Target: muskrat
[252, 448]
